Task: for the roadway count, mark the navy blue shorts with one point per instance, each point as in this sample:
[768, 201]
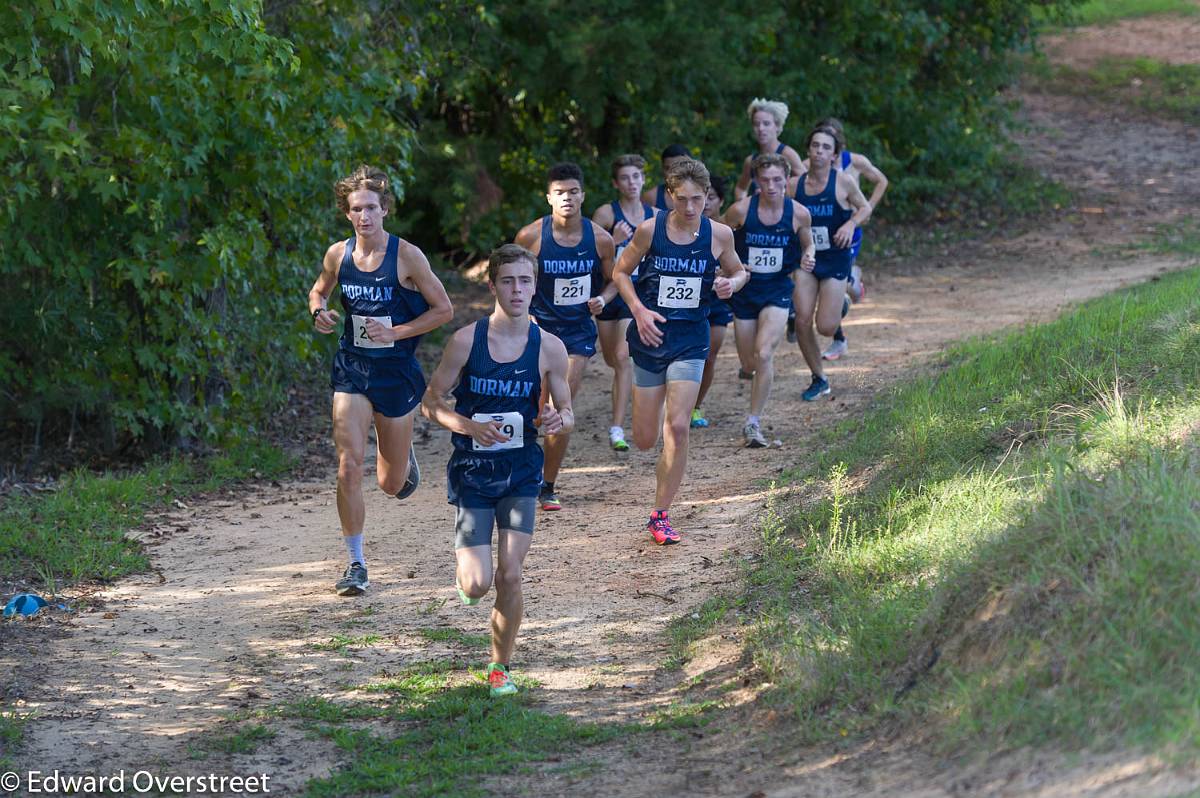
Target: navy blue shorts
[615, 310]
[834, 267]
[481, 480]
[756, 295]
[578, 336]
[393, 385]
[719, 312]
[682, 340]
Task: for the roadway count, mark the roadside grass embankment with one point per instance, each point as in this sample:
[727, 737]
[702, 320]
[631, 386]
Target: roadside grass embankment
[1101, 12]
[1155, 88]
[77, 532]
[1006, 548]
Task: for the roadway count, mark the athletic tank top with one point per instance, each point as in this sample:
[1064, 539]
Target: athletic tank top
[660, 198]
[508, 392]
[618, 217]
[676, 279]
[827, 217]
[768, 251]
[753, 189]
[846, 161]
[565, 276]
[377, 295]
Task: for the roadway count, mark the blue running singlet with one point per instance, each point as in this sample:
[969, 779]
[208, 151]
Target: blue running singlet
[676, 282]
[386, 373]
[508, 393]
[753, 188]
[827, 217]
[617, 309]
[769, 252]
[565, 283]
[660, 197]
[856, 244]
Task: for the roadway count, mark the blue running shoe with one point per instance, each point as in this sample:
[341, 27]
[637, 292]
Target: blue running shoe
[819, 387]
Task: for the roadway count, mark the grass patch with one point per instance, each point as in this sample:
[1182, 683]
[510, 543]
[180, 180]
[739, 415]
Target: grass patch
[1158, 89]
[1005, 549]
[244, 740]
[1099, 12]
[437, 732]
[77, 532]
[687, 629]
[344, 643]
[457, 637]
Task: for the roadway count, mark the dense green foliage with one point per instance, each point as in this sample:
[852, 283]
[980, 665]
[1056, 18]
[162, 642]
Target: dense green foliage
[169, 163]
[168, 199]
[534, 82]
[1006, 548]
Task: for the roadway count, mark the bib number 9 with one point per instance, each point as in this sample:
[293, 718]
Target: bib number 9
[360, 332]
[511, 424]
[765, 261]
[679, 292]
[572, 290]
[820, 236]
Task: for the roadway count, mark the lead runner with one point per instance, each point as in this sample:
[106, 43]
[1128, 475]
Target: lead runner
[679, 253]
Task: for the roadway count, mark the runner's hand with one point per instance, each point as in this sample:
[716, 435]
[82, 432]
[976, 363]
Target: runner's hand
[844, 236]
[326, 321]
[487, 433]
[596, 305]
[380, 333]
[549, 420]
[723, 287]
[622, 231]
[808, 261]
[647, 329]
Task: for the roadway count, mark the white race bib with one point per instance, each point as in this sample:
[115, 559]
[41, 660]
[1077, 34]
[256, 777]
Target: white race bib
[360, 332]
[820, 236]
[511, 424]
[678, 292]
[765, 260]
[572, 290]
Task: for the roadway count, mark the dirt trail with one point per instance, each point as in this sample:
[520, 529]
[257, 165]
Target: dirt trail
[241, 592]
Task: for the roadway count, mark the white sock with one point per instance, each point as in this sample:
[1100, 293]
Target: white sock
[616, 432]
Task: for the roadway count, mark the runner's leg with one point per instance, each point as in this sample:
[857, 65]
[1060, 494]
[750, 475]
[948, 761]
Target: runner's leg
[615, 349]
[510, 602]
[681, 398]
[394, 439]
[804, 298]
[556, 445]
[647, 415]
[771, 326]
[716, 339]
[351, 422]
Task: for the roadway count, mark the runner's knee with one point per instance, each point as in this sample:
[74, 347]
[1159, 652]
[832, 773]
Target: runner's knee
[350, 468]
[508, 580]
[644, 439]
[677, 429]
[391, 480]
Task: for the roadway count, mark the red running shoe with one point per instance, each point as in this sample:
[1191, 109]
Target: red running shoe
[660, 529]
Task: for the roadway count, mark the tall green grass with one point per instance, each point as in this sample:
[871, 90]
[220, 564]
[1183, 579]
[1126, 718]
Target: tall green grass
[77, 531]
[1100, 12]
[1008, 543]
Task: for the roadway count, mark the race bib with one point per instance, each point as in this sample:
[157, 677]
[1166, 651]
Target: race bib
[820, 236]
[572, 290]
[765, 260]
[511, 424]
[679, 292]
[360, 332]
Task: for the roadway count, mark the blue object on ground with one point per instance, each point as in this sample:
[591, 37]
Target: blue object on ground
[24, 604]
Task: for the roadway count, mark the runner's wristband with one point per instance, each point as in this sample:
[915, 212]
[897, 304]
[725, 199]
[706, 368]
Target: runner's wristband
[318, 312]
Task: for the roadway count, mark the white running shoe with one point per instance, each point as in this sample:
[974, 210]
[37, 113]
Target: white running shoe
[835, 350]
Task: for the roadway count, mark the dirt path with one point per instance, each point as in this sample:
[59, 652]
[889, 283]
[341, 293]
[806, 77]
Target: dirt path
[241, 592]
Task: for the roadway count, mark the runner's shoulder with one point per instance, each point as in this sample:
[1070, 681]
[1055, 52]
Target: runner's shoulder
[530, 234]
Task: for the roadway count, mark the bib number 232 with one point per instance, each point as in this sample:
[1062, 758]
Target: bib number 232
[511, 424]
[679, 292]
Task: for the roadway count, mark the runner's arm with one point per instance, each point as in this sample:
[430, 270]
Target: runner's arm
[530, 237]
[605, 249]
[873, 175]
[631, 256]
[604, 216]
[435, 404]
[799, 167]
[802, 224]
[324, 319]
[735, 216]
[556, 416]
[414, 264]
[847, 187]
[743, 181]
[732, 269]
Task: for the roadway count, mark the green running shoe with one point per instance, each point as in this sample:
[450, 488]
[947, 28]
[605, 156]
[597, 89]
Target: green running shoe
[500, 683]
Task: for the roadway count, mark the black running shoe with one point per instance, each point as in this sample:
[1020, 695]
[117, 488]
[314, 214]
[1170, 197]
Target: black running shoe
[354, 581]
[414, 475]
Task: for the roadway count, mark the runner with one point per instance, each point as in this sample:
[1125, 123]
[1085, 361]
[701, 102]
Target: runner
[820, 291]
[719, 313]
[495, 369]
[620, 218]
[657, 197]
[770, 230]
[679, 253]
[858, 166]
[570, 249]
[766, 119]
[390, 297]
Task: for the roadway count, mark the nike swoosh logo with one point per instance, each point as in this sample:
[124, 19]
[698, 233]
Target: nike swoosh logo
[520, 371]
[697, 251]
[380, 277]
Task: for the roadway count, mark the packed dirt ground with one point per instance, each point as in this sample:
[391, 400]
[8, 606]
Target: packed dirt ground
[242, 584]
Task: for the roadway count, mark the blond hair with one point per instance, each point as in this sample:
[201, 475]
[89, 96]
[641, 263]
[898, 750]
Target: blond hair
[778, 110]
